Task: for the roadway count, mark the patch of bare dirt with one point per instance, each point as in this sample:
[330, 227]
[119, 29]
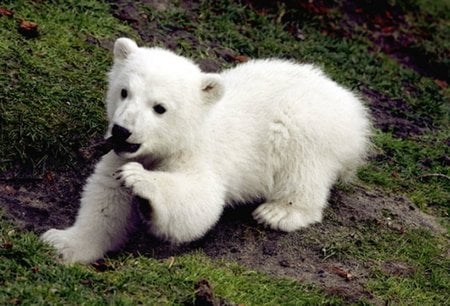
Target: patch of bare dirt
[386, 24]
[395, 115]
[35, 203]
[152, 32]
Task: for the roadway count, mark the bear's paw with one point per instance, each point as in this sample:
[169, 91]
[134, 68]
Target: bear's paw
[70, 247]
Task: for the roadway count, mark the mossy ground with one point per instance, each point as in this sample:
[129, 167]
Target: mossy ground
[51, 105]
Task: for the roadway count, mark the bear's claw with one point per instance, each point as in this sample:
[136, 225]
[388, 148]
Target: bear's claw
[133, 175]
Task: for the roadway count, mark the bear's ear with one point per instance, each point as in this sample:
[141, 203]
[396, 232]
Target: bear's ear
[212, 87]
[123, 47]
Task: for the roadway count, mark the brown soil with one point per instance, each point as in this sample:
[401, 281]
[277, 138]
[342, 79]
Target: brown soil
[37, 204]
[395, 115]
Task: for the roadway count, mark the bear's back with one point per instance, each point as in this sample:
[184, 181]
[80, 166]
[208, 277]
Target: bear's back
[273, 109]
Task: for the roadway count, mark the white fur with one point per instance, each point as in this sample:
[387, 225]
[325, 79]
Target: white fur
[267, 129]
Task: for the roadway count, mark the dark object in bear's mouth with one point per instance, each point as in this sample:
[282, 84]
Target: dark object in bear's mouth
[100, 148]
[97, 149]
[124, 147]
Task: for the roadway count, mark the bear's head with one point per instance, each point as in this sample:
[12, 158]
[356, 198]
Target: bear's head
[156, 101]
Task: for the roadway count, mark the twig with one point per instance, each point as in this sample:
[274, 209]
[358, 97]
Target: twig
[171, 261]
[435, 175]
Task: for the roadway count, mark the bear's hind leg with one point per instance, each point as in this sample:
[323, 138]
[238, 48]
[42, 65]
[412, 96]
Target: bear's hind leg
[297, 206]
[286, 215]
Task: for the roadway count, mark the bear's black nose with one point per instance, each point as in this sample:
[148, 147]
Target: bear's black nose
[120, 133]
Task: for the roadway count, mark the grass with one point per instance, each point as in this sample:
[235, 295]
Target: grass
[427, 281]
[411, 166]
[51, 88]
[30, 276]
[51, 104]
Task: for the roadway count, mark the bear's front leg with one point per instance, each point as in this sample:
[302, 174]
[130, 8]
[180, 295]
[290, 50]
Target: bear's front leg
[103, 220]
[184, 206]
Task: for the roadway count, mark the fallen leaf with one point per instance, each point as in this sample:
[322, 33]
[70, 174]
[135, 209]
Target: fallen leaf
[441, 83]
[387, 30]
[49, 177]
[101, 266]
[6, 12]
[241, 58]
[171, 261]
[342, 273]
[7, 245]
[28, 29]
[7, 190]
[86, 282]
[388, 14]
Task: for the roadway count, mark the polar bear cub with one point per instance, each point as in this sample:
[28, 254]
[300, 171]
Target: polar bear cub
[191, 143]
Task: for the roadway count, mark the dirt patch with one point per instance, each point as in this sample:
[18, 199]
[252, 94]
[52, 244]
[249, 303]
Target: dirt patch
[33, 205]
[136, 13]
[394, 115]
[397, 269]
[386, 25]
[153, 33]
[307, 255]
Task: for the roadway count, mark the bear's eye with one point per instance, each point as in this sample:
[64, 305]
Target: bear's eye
[124, 93]
[159, 109]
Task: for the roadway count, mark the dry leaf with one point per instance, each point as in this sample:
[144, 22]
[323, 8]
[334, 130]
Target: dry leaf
[441, 83]
[28, 29]
[6, 12]
[241, 58]
[342, 273]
